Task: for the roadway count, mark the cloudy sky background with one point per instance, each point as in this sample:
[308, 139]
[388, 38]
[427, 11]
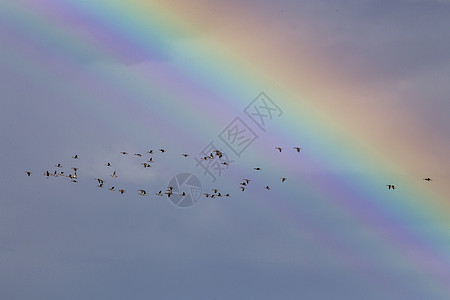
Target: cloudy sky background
[355, 79]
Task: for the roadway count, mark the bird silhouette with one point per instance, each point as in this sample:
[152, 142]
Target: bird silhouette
[283, 179]
[427, 179]
[108, 164]
[279, 148]
[28, 173]
[142, 192]
[75, 156]
[390, 186]
[257, 169]
[267, 187]
[123, 152]
[122, 191]
[114, 175]
[298, 149]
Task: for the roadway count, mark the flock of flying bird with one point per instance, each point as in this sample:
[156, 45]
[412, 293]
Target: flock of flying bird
[170, 189]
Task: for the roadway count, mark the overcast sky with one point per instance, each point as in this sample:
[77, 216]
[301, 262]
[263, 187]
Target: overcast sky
[64, 240]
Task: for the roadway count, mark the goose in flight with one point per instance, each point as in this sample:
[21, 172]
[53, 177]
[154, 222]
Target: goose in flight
[146, 165]
[121, 191]
[390, 186]
[70, 176]
[160, 193]
[75, 175]
[283, 179]
[114, 174]
[183, 194]
[150, 152]
[246, 180]
[150, 160]
[162, 150]
[142, 192]
[185, 155]
[207, 195]
[279, 148]
[58, 166]
[138, 154]
[243, 188]
[47, 174]
[298, 149]
[28, 173]
[99, 180]
[225, 163]
[123, 152]
[427, 179]
[75, 169]
[100, 185]
[169, 194]
[267, 187]
[257, 169]
[111, 188]
[215, 191]
[218, 153]
[227, 195]
[108, 164]
[73, 180]
[75, 156]
[243, 183]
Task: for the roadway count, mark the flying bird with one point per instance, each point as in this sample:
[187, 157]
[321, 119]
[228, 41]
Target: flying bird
[427, 179]
[111, 188]
[123, 152]
[283, 179]
[75, 169]
[28, 173]
[75, 156]
[150, 152]
[58, 166]
[267, 187]
[160, 193]
[243, 188]
[257, 169]
[47, 174]
[122, 191]
[183, 194]
[142, 192]
[298, 149]
[114, 174]
[279, 148]
[390, 186]
[108, 164]
[138, 154]
[185, 155]
[162, 150]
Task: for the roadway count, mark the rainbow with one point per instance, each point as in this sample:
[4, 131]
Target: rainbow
[174, 52]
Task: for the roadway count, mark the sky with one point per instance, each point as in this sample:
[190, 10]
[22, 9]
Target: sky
[361, 86]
